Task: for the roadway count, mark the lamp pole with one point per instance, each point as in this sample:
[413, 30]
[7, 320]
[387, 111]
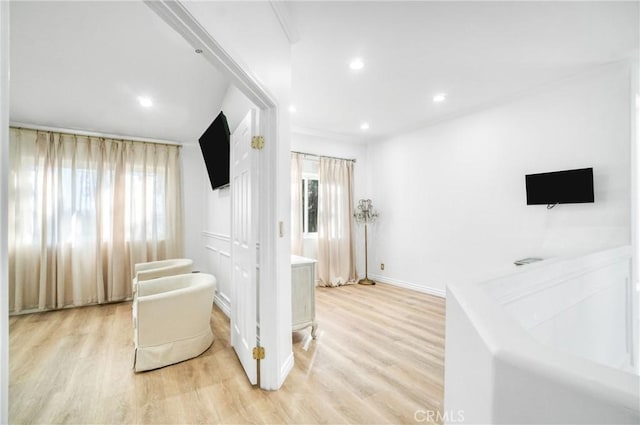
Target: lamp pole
[365, 214]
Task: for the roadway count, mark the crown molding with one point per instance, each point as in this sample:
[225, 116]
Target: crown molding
[324, 134]
[281, 10]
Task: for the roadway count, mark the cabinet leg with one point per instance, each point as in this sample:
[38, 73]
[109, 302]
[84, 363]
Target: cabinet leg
[314, 330]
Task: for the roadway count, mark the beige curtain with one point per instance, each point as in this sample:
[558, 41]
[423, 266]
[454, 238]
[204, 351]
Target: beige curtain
[82, 211]
[296, 204]
[336, 253]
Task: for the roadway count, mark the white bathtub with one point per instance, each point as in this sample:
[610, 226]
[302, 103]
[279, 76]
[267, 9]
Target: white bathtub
[554, 342]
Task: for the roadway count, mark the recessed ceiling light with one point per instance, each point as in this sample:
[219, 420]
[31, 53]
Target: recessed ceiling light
[364, 126]
[356, 64]
[440, 97]
[292, 108]
[145, 101]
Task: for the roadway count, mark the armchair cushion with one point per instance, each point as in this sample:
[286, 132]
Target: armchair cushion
[172, 319]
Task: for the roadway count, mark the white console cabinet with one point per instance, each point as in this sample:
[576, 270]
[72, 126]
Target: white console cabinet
[303, 293]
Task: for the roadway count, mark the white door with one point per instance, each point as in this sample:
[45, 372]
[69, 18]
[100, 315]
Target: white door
[243, 244]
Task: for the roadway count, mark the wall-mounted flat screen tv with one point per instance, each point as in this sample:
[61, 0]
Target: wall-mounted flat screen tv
[214, 144]
[560, 187]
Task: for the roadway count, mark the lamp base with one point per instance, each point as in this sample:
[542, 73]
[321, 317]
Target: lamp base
[366, 281]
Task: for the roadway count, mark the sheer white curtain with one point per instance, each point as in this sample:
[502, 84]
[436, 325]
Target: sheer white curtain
[336, 252]
[296, 204]
[82, 211]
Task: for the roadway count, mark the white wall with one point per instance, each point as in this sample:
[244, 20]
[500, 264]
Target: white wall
[235, 106]
[4, 206]
[251, 34]
[452, 196]
[635, 190]
[327, 146]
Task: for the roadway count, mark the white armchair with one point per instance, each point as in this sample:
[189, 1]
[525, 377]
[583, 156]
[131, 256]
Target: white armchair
[171, 319]
[156, 269]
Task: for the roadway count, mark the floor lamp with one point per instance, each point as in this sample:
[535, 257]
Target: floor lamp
[365, 214]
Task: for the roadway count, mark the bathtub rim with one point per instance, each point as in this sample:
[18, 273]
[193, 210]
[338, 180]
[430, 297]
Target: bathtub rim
[508, 341]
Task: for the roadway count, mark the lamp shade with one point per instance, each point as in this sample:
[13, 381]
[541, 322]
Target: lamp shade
[365, 214]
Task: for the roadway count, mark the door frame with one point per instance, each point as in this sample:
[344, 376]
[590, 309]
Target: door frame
[4, 208]
[634, 106]
[276, 365]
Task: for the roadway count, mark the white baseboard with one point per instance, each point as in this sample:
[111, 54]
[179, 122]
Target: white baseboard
[287, 366]
[224, 304]
[407, 285]
[624, 363]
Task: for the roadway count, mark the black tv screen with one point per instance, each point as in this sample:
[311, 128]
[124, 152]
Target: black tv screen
[215, 147]
[560, 187]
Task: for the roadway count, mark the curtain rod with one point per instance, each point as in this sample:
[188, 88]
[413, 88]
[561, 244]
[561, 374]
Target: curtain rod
[90, 133]
[323, 156]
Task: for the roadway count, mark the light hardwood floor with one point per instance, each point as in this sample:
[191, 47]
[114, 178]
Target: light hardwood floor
[379, 358]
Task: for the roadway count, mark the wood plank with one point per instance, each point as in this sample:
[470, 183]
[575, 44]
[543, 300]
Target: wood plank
[379, 358]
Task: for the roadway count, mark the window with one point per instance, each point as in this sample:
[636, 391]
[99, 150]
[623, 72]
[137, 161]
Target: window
[309, 205]
[83, 211]
[73, 197]
[145, 205]
[75, 190]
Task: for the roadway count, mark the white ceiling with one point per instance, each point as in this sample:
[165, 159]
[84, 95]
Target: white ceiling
[479, 53]
[83, 64]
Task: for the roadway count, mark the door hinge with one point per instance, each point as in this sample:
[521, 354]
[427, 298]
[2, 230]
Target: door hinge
[258, 353]
[257, 142]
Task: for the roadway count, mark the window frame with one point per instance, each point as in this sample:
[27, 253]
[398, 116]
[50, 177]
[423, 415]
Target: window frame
[306, 177]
